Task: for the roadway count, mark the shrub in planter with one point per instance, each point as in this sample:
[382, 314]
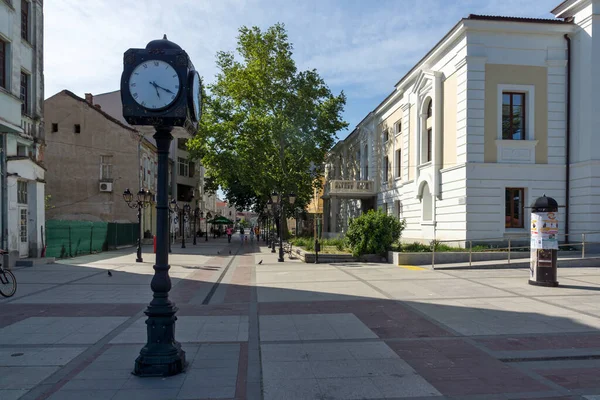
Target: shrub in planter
[373, 233]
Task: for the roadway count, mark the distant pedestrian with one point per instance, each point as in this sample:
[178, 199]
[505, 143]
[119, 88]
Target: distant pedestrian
[257, 232]
[251, 235]
[229, 233]
[242, 234]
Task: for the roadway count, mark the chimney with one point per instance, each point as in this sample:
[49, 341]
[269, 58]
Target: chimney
[98, 106]
[89, 98]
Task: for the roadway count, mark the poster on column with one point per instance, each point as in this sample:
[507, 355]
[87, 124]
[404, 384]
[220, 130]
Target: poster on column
[544, 230]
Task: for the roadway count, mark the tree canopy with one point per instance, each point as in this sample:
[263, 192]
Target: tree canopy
[265, 125]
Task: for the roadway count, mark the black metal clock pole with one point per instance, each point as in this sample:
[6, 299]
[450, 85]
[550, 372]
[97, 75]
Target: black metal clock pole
[162, 355]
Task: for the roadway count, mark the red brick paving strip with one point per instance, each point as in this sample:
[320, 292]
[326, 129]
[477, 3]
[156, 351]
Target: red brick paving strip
[530, 343]
[456, 368]
[386, 318]
[239, 287]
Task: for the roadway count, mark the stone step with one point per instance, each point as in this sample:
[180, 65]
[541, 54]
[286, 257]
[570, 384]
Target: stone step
[30, 262]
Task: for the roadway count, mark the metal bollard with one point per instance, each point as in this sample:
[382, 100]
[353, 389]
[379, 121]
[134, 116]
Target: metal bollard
[509, 250]
[433, 256]
[470, 252]
[583, 245]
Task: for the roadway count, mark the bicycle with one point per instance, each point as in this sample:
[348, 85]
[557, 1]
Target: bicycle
[8, 282]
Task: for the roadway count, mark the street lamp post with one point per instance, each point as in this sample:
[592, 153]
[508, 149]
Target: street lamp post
[185, 211]
[144, 199]
[208, 216]
[269, 208]
[279, 201]
[196, 213]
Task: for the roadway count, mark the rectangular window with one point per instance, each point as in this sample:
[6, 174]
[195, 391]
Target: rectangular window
[25, 20]
[3, 64]
[77, 128]
[24, 93]
[184, 168]
[106, 168]
[398, 163]
[398, 127]
[513, 116]
[22, 192]
[385, 168]
[514, 208]
[54, 128]
[386, 134]
[398, 208]
[429, 142]
[182, 144]
[192, 169]
[385, 208]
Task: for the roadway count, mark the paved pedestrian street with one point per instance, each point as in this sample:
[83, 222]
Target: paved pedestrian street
[300, 331]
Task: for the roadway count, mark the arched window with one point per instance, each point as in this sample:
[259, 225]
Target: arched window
[430, 109]
[427, 203]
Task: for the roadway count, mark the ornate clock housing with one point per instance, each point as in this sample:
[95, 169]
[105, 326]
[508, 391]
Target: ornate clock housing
[155, 85]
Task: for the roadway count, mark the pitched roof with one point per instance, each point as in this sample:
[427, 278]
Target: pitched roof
[517, 19]
[105, 115]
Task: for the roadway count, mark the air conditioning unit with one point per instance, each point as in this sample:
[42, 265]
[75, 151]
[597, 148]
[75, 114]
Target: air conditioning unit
[106, 186]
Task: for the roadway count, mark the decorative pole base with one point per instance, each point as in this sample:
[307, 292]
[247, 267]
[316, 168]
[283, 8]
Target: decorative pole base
[162, 355]
[139, 260]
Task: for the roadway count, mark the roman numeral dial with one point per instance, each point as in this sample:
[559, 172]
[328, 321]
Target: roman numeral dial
[154, 84]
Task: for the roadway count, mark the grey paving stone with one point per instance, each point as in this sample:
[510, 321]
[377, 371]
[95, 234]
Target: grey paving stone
[349, 388]
[410, 385]
[170, 382]
[371, 350]
[12, 394]
[283, 352]
[383, 367]
[222, 392]
[210, 374]
[200, 363]
[83, 394]
[218, 351]
[24, 377]
[337, 369]
[281, 370]
[327, 351]
[94, 384]
[145, 394]
[291, 389]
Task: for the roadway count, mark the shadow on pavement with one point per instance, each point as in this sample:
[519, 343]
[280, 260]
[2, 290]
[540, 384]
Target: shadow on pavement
[319, 330]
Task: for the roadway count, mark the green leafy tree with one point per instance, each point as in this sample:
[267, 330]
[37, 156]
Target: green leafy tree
[265, 124]
[373, 233]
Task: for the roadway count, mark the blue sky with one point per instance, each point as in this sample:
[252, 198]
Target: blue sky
[360, 46]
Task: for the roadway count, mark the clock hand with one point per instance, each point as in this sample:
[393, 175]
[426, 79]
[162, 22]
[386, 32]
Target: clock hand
[155, 88]
[166, 90]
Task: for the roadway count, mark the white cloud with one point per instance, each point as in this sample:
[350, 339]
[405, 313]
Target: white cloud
[360, 46]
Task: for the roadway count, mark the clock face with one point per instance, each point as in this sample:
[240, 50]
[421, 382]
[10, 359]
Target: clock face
[154, 84]
[196, 95]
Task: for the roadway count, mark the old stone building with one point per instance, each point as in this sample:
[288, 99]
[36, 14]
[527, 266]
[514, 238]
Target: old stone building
[91, 159]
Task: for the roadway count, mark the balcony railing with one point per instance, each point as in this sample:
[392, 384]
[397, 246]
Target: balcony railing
[352, 187]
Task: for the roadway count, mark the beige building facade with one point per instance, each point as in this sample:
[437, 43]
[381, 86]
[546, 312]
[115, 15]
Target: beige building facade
[495, 115]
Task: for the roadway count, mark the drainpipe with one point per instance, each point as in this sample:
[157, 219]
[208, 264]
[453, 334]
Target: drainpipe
[568, 140]
[4, 183]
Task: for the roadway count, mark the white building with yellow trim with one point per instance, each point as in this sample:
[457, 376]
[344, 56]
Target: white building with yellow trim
[501, 111]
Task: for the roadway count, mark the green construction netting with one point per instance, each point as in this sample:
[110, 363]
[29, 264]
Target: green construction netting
[73, 238]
